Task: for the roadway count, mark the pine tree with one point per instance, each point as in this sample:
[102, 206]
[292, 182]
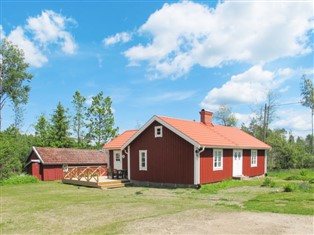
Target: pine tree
[60, 128]
[101, 120]
[42, 131]
[79, 118]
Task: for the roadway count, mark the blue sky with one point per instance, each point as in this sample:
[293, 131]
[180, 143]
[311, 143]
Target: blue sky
[164, 57]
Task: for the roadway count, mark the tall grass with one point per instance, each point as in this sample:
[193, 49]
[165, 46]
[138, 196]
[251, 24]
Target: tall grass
[17, 179]
[294, 174]
[229, 183]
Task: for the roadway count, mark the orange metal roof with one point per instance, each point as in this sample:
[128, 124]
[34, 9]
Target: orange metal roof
[117, 142]
[215, 135]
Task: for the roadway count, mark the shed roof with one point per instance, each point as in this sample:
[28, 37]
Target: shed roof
[59, 156]
[117, 142]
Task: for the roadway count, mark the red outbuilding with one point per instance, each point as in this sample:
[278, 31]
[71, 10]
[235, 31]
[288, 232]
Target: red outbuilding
[49, 163]
[182, 152]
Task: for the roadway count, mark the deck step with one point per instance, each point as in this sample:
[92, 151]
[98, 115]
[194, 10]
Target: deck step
[112, 185]
[240, 177]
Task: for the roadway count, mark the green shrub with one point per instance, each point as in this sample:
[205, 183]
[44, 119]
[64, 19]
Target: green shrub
[15, 180]
[311, 181]
[303, 172]
[289, 187]
[304, 187]
[268, 182]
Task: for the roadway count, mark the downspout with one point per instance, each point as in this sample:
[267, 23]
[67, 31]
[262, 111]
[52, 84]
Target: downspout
[200, 151]
[127, 152]
[197, 173]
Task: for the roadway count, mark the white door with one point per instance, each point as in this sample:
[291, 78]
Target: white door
[117, 160]
[237, 163]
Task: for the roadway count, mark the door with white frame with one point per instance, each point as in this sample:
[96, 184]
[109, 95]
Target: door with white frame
[237, 163]
[117, 160]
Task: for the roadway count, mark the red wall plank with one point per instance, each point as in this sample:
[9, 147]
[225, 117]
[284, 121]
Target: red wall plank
[208, 175]
[170, 159]
[253, 171]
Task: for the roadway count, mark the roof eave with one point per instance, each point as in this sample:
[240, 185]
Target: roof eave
[38, 155]
[236, 147]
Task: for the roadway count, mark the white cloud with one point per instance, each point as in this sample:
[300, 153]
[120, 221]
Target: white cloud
[2, 34]
[89, 100]
[41, 33]
[49, 27]
[32, 54]
[172, 96]
[119, 37]
[185, 34]
[250, 87]
[296, 119]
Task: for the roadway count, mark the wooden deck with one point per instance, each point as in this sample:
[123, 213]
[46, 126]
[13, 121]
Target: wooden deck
[103, 183]
[92, 177]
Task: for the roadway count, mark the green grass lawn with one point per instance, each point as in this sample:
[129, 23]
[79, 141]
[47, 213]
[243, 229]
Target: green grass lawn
[283, 202]
[293, 174]
[56, 208]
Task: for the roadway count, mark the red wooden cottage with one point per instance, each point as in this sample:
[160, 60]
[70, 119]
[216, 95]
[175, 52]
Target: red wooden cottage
[117, 157]
[181, 152]
[47, 163]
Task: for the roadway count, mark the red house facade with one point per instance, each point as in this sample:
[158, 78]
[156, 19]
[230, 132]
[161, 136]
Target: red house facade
[47, 163]
[181, 152]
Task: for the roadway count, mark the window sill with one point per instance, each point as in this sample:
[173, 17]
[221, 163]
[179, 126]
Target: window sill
[218, 169]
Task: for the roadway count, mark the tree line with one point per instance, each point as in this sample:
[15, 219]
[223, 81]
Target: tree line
[288, 151]
[82, 126]
[87, 127]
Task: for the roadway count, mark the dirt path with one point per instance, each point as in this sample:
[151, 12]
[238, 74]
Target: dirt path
[207, 222]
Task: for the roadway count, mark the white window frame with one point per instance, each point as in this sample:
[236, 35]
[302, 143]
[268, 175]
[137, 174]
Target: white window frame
[156, 131]
[218, 168]
[254, 156]
[142, 168]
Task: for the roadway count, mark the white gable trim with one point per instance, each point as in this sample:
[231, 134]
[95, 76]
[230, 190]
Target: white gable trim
[38, 155]
[233, 147]
[32, 161]
[165, 124]
[197, 165]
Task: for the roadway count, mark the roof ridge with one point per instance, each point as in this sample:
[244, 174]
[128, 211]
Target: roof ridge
[67, 149]
[181, 119]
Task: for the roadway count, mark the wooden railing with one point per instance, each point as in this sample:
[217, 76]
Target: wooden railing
[84, 173]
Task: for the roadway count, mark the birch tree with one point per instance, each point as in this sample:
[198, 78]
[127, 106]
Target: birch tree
[13, 76]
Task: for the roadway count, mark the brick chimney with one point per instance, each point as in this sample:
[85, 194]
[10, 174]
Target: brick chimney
[206, 117]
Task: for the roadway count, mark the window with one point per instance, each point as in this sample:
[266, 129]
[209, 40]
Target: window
[118, 157]
[143, 160]
[253, 158]
[158, 131]
[218, 161]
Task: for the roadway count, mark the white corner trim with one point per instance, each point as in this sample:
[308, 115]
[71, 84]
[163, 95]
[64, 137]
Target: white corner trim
[197, 165]
[32, 161]
[38, 155]
[265, 164]
[129, 162]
